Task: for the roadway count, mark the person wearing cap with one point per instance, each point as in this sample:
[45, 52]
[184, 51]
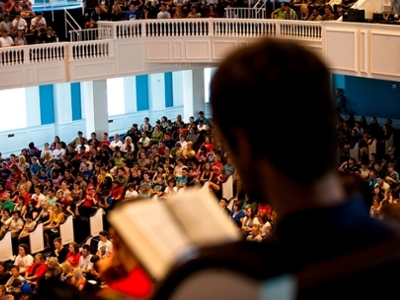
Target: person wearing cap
[339, 11]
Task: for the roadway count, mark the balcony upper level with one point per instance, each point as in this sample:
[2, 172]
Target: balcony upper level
[151, 46]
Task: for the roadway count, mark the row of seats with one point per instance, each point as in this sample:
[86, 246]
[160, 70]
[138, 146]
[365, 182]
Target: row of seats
[36, 239]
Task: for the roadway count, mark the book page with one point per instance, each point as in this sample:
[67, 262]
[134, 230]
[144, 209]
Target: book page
[152, 233]
[202, 218]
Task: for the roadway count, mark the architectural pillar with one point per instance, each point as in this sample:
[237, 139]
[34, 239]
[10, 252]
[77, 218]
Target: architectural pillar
[192, 84]
[130, 94]
[94, 95]
[156, 89]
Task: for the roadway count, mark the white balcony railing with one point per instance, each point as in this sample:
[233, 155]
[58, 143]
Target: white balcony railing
[210, 27]
[92, 43]
[90, 49]
[170, 45]
[38, 53]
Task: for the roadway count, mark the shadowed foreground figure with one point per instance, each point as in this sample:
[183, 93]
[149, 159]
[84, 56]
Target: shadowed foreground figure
[325, 245]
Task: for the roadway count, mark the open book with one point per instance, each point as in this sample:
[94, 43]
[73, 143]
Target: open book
[161, 233]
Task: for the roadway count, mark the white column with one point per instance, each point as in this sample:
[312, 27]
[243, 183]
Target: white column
[193, 93]
[62, 103]
[63, 112]
[32, 106]
[187, 94]
[178, 87]
[198, 91]
[156, 97]
[130, 94]
[95, 98]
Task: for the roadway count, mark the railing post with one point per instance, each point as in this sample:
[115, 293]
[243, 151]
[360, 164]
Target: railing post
[68, 51]
[210, 27]
[144, 28]
[277, 25]
[26, 55]
[114, 30]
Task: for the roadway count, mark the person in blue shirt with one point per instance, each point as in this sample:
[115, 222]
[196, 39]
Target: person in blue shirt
[182, 180]
[201, 118]
[105, 200]
[133, 13]
[35, 166]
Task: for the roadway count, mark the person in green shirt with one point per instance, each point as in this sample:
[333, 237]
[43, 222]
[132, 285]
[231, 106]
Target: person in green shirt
[7, 204]
[51, 198]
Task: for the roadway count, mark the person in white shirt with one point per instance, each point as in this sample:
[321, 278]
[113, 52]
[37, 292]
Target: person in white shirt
[163, 14]
[24, 260]
[84, 261]
[116, 142]
[105, 247]
[5, 39]
[38, 24]
[201, 126]
[144, 139]
[130, 192]
[46, 150]
[58, 152]
[19, 23]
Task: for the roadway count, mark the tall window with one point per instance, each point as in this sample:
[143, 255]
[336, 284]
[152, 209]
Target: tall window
[115, 96]
[13, 105]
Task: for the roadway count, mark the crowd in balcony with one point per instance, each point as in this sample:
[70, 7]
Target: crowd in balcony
[317, 10]
[135, 10]
[20, 25]
[307, 10]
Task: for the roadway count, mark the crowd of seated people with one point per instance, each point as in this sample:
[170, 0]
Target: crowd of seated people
[19, 25]
[137, 10]
[148, 161]
[317, 10]
[45, 186]
[377, 169]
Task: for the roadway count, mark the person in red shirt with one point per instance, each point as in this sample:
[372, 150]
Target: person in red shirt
[105, 141]
[25, 194]
[117, 191]
[12, 7]
[37, 269]
[123, 274]
[73, 255]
